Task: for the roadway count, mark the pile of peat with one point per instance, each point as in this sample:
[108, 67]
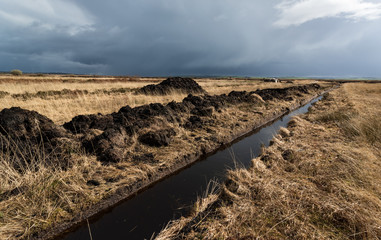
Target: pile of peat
[27, 136]
[108, 136]
[119, 128]
[177, 84]
[194, 112]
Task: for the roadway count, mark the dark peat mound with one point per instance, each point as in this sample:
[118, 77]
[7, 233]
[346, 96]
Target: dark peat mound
[173, 84]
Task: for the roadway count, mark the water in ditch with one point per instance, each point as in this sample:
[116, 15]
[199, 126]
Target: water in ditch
[144, 215]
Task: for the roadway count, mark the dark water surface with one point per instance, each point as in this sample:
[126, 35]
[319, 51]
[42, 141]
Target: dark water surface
[147, 213]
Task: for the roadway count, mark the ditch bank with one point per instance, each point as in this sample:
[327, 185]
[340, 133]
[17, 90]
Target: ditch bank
[150, 211]
[156, 140]
[180, 163]
[308, 170]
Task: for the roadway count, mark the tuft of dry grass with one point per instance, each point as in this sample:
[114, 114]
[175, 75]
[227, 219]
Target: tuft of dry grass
[318, 180]
[359, 118]
[37, 196]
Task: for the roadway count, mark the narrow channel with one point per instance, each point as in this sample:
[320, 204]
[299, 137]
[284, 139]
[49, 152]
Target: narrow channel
[144, 215]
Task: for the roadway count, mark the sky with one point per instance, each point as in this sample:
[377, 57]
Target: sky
[303, 38]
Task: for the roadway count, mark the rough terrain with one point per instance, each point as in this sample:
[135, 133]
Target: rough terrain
[319, 179]
[96, 160]
[153, 124]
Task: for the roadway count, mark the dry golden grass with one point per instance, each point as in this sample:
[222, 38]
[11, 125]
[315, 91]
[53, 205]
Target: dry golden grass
[70, 78]
[48, 195]
[319, 180]
[63, 108]
[222, 86]
[38, 197]
[33, 87]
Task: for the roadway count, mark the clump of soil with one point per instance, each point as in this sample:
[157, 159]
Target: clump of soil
[178, 84]
[3, 94]
[48, 94]
[27, 136]
[82, 123]
[286, 93]
[157, 138]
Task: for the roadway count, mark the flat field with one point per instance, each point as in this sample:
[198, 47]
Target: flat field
[61, 97]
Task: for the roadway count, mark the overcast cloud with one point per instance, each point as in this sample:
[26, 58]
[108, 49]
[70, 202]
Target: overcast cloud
[333, 38]
[299, 12]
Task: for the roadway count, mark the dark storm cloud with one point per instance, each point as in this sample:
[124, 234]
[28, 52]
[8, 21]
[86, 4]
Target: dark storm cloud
[178, 37]
[172, 37]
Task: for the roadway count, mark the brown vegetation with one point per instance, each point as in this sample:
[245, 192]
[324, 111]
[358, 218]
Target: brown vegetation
[319, 179]
[40, 190]
[62, 97]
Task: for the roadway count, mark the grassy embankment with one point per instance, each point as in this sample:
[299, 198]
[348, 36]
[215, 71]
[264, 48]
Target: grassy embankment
[36, 197]
[320, 179]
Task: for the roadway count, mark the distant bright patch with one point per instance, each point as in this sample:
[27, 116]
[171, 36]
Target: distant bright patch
[298, 12]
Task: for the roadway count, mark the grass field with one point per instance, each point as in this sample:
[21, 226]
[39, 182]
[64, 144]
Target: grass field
[36, 197]
[318, 180]
[100, 95]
